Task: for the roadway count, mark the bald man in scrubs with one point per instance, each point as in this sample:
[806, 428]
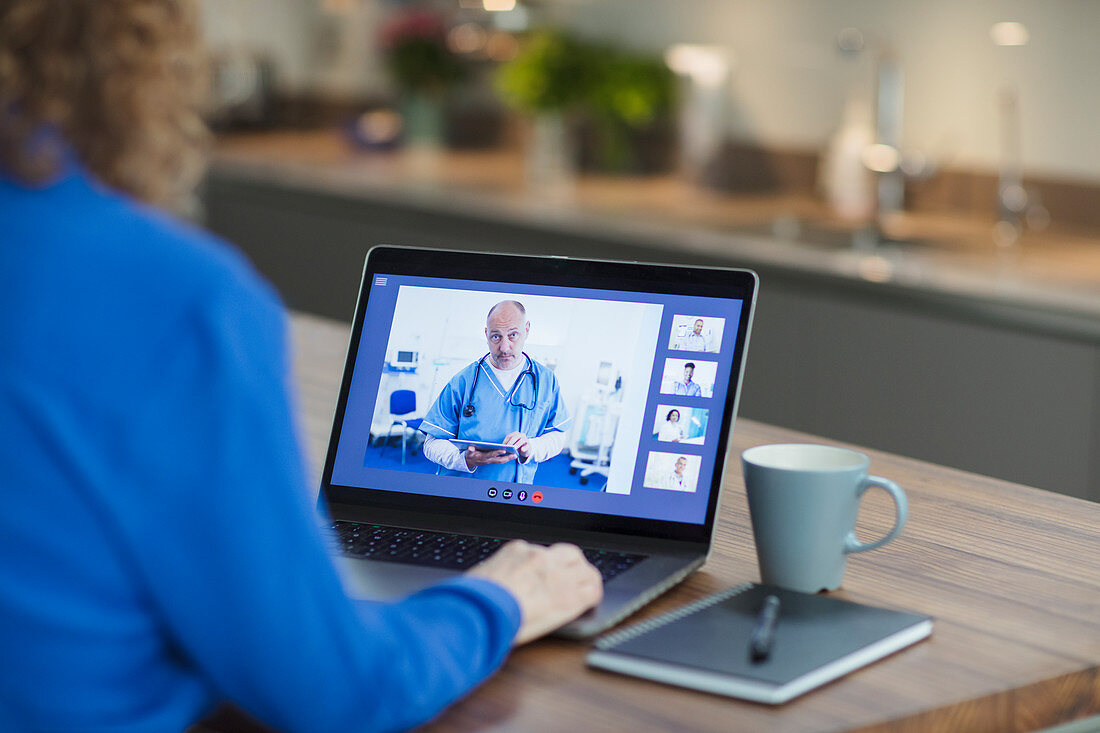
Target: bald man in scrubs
[503, 397]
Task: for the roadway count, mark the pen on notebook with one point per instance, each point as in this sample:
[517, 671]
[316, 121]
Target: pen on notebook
[760, 646]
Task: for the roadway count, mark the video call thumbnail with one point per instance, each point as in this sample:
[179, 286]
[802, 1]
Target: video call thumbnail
[688, 377]
[671, 471]
[679, 424]
[696, 333]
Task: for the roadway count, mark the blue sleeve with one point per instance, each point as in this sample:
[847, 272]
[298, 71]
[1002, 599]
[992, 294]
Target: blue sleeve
[442, 419]
[558, 417]
[235, 563]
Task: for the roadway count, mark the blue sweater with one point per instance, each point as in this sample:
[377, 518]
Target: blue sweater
[144, 415]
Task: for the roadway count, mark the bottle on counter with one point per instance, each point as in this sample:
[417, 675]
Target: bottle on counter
[847, 184]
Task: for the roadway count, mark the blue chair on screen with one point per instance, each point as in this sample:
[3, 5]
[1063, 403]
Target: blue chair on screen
[402, 403]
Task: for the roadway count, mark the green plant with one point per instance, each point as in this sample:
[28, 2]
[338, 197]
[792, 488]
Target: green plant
[629, 88]
[614, 94]
[548, 74]
[629, 94]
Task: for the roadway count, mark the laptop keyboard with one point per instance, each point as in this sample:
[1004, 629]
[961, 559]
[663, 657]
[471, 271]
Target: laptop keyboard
[442, 550]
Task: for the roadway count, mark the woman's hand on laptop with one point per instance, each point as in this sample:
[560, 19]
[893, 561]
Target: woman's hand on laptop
[552, 585]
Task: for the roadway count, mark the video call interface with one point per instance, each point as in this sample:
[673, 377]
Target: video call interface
[619, 395]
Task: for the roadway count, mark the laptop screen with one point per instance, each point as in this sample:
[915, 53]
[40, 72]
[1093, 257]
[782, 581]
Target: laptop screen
[616, 400]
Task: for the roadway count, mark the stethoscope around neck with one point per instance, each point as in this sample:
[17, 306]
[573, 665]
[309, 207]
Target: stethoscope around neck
[469, 410]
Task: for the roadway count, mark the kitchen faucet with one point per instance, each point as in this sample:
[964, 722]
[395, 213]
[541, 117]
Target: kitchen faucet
[884, 157]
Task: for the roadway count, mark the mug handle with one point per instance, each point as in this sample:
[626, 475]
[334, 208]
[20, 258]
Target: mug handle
[851, 544]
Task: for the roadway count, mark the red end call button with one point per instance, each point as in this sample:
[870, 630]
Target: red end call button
[536, 497]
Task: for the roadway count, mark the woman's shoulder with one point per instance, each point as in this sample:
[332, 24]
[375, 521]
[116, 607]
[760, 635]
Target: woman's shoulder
[88, 235]
[156, 247]
[108, 274]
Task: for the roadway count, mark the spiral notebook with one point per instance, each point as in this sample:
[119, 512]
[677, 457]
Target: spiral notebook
[705, 645]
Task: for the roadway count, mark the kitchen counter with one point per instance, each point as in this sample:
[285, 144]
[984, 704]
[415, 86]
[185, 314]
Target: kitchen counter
[946, 350]
[1051, 279]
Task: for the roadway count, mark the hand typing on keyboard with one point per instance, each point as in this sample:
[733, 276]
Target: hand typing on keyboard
[552, 585]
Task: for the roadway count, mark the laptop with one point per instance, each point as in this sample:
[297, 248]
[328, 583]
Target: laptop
[628, 380]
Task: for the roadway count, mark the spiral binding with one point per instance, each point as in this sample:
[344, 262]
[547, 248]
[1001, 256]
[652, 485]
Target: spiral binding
[618, 637]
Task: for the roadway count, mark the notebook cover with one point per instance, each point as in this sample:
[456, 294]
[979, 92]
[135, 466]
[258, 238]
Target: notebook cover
[706, 645]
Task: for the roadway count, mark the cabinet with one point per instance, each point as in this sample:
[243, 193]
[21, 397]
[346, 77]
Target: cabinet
[983, 397]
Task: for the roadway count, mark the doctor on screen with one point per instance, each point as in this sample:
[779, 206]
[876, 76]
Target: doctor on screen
[503, 397]
[686, 386]
[676, 479]
[694, 341]
[671, 430]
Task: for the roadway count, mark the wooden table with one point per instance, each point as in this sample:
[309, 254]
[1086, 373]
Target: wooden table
[1010, 573]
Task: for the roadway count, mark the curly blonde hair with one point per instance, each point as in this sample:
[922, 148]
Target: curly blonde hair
[117, 82]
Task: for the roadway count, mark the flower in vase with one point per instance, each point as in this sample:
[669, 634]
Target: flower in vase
[415, 45]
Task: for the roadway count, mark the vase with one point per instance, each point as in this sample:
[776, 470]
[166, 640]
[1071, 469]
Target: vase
[423, 115]
[551, 158]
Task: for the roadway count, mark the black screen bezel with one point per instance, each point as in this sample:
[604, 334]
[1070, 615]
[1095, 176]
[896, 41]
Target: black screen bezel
[464, 515]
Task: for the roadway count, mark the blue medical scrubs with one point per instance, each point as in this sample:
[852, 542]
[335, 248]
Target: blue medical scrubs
[496, 413]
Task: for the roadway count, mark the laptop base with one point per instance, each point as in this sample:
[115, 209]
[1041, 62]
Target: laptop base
[624, 594]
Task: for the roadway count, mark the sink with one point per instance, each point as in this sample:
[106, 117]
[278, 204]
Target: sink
[823, 234]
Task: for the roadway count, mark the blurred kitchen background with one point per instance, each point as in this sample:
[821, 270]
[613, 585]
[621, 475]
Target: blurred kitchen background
[917, 183]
